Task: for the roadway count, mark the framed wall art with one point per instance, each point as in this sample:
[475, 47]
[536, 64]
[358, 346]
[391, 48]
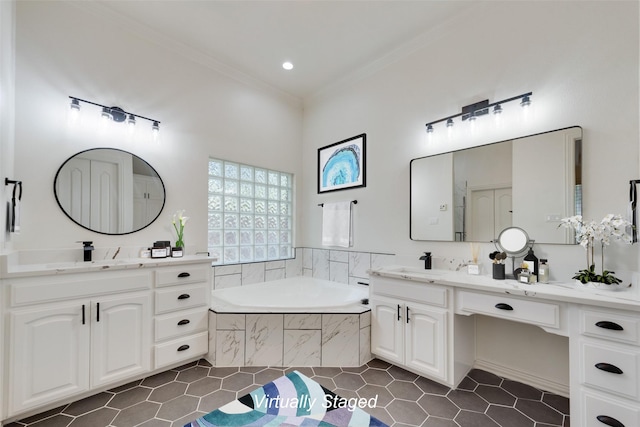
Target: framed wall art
[342, 165]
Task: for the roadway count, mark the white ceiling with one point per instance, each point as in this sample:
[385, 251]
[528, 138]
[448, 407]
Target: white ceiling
[327, 41]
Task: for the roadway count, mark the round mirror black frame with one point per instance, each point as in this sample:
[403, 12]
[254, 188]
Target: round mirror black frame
[115, 150]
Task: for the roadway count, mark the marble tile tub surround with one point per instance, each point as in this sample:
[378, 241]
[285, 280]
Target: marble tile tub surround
[340, 266]
[289, 339]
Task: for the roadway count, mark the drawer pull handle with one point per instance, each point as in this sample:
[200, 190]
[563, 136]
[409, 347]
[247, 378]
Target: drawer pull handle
[399, 316]
[183, 347]
[185, 274]
[610, 421]
[183, 322]
[97, 312]
[607, 367]
[503, 306]
[604, 324]
[407, 314]
[83, 319]
[184, 296]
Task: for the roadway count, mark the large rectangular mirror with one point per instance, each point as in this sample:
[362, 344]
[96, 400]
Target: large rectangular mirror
[471, 195]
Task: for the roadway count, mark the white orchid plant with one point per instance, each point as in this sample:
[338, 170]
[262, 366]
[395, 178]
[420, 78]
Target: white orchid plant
[612, 227]
[179, 221]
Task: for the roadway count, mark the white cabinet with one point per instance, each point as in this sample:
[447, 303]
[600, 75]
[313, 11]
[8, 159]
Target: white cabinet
[182, 298]
[49, 354]
[605, 377]
[67, 348]
[148, 199]
[68, 334]
[120, 338]
[409, 333]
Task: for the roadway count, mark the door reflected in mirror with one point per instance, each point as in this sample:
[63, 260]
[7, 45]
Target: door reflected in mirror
[473, 194]
[109, 191]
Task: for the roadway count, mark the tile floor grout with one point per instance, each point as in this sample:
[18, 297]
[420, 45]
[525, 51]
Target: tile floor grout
[177, 396]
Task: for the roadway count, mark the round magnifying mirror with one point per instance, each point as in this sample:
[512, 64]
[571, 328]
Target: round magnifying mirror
[513, 240]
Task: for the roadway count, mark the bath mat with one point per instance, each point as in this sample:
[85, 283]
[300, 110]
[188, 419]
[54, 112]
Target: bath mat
[291, 400]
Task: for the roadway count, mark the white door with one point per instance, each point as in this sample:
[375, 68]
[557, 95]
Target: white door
[387, 329]
[49, 354]
[121, 337]
[503, 216]
[425, 339]
[489, 213]
[105, 197]
[73, 188]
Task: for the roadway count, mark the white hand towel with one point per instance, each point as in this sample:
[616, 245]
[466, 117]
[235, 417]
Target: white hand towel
[336, 224]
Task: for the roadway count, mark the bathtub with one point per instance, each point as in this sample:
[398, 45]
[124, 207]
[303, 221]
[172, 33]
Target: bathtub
[292, 295]
[299, 321]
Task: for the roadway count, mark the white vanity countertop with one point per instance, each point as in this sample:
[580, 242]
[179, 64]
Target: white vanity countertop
[10, 269]
[627, 298]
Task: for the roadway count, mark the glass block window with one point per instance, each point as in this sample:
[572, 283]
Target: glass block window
[250, 213]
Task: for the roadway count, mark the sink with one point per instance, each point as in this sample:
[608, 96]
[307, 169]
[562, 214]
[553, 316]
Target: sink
[410, 271]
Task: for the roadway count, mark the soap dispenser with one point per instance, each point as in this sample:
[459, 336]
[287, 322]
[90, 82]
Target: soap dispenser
[427, 260]
[87, 247]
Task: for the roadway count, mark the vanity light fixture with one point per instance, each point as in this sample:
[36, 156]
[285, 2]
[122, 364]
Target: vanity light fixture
[116, 114]
[472, 111]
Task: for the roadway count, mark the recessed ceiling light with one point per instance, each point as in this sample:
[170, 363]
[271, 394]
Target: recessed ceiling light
[287, 65]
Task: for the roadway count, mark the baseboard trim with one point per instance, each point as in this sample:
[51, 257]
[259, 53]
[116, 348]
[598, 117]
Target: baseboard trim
[523, 377]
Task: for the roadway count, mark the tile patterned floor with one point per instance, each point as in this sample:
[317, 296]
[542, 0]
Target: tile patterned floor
[180, 395]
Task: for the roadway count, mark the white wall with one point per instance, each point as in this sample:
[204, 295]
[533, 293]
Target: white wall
[580, 59]
[64, 49]
[582, 67]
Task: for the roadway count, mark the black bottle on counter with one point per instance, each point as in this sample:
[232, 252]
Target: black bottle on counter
[532, 261]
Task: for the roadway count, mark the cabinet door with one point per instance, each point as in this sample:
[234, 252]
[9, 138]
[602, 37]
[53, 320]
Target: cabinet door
[425, 337]
[121, 337]
[387, 329]
[49, 354]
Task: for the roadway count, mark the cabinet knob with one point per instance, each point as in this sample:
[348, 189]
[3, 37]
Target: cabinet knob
[610, 421]
[183, 347]
[605, 324]
[503, 306]
[184, 274]
[183, 322]
[607, 367]
[184, 296]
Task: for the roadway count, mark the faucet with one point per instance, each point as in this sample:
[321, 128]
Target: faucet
[87, 248]
[427, 260]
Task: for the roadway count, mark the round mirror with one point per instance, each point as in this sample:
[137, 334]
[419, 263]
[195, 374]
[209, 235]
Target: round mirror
[513, 240]
[109, 191]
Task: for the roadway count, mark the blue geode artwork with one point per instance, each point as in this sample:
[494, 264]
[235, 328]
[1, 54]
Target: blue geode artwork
[341, 165]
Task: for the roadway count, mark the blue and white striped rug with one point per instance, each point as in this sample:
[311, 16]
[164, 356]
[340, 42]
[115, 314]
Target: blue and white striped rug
[291, 400]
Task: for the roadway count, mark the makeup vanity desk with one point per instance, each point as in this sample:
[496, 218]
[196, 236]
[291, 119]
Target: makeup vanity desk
[423, 320]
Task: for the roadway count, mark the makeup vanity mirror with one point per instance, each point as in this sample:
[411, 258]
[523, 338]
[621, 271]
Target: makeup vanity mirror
[109, 191]
[471, 195]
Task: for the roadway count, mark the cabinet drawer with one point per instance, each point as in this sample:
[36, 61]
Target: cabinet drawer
[34, 290]
[533, 312]
[181, 349]
[180, 324]
[420, 292]
[181, 297]
[611, 368]
[615, 327]
[180, 275]
[600, 411]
